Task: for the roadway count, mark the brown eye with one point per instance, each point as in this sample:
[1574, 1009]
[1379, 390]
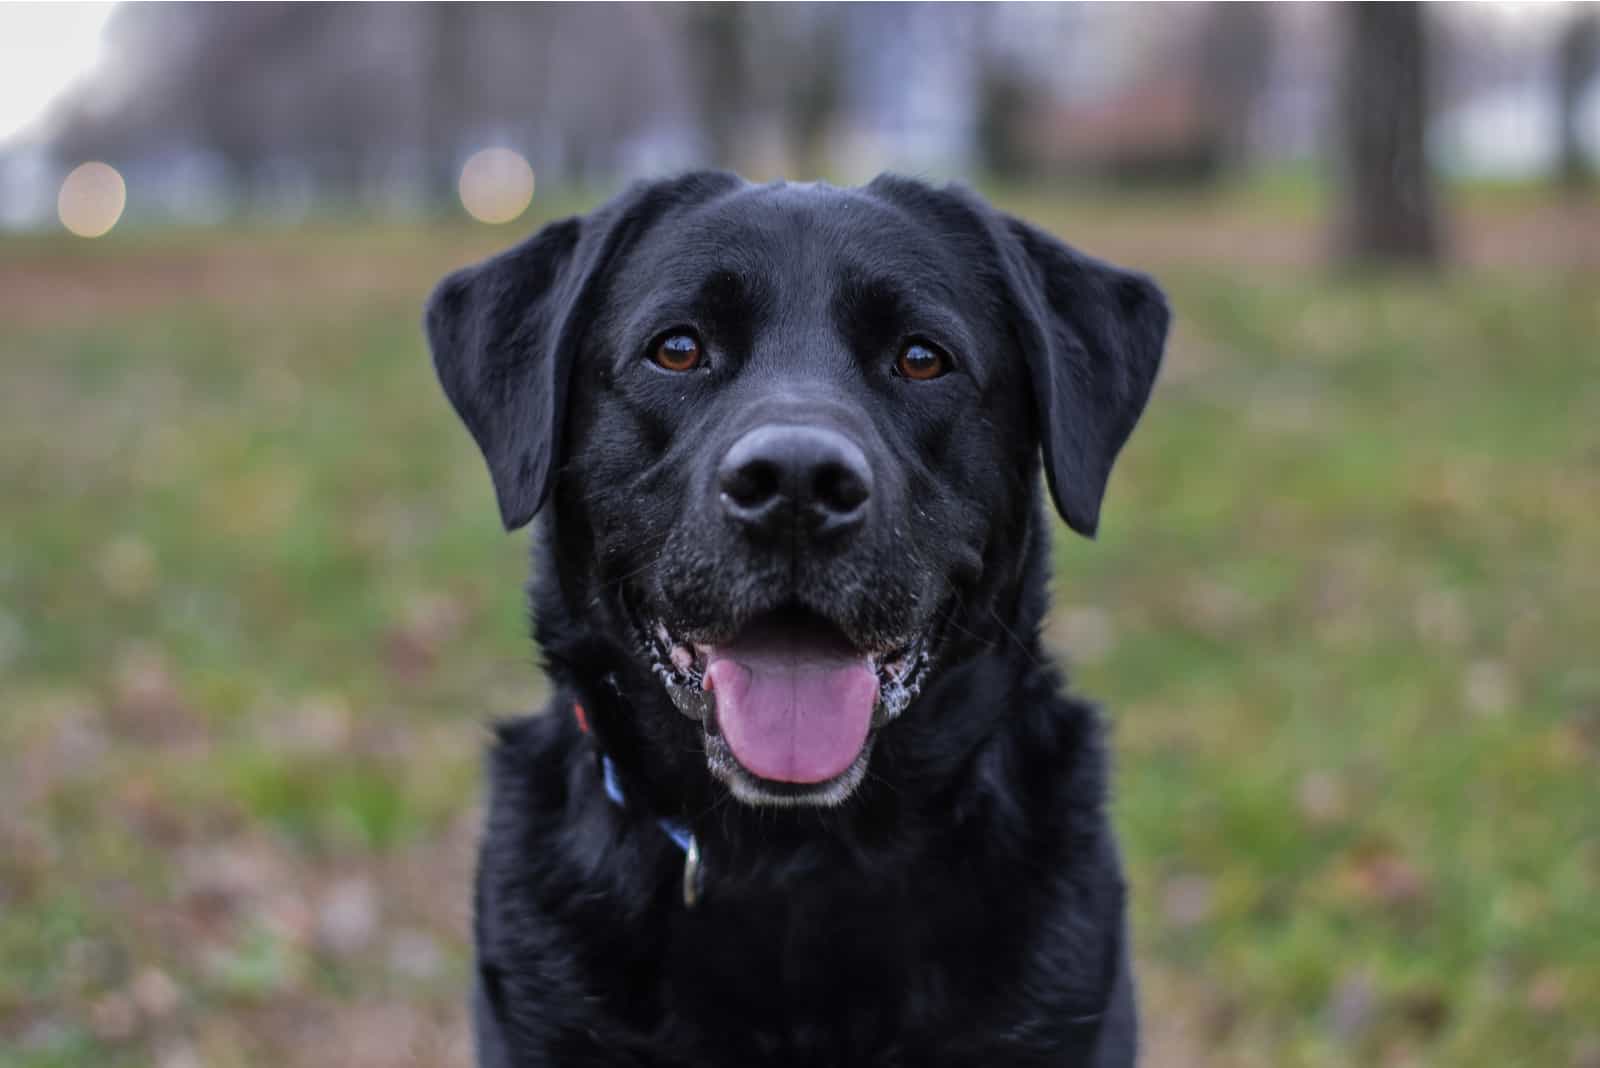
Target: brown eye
[677, 352]
[920, 362]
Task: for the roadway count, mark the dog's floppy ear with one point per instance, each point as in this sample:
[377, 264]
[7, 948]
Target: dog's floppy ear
[1092, 334]
[505, 333]
[495, 331]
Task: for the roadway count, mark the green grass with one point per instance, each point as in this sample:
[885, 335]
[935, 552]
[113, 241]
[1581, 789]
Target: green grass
[256, 608]
[1353, 552]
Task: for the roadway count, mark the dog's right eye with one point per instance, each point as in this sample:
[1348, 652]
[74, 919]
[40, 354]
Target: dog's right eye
[677, 352]
[921, 363]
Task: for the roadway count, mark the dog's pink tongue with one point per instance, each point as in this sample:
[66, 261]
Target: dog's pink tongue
[791, 712]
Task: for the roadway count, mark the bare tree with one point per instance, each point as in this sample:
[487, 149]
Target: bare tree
[813, 87]
[1235, 59]
[1578, 62]
[718, 34]
[1388, 205]
[1003, 113]
[444, 40]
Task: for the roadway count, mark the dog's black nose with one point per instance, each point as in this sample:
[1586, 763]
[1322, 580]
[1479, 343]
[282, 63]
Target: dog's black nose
[780, 479]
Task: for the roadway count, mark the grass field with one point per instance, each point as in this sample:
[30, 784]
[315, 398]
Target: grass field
[256, 609]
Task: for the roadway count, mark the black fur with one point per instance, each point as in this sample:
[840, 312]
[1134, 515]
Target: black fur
[964, 905]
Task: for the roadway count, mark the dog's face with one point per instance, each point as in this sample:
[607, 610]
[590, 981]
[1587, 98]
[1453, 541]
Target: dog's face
[791, 435]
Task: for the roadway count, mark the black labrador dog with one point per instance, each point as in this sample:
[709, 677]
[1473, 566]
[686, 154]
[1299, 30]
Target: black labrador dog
[808, 791]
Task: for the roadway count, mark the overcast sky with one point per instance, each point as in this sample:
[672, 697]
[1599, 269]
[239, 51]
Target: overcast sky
[43, 48]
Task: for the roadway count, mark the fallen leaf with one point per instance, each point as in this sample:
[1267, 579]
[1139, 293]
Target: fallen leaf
[1322, 798]
[1186, 900]
[1486, 689]
[1087, 634]
[348, 917]
[127, 568]
[145, 699]
[155, 993]
[1378, 875]
[1547, 993]
[1352, 1008]
[114, 1017]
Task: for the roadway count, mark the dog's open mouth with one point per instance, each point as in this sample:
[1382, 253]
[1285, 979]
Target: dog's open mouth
[789, 705]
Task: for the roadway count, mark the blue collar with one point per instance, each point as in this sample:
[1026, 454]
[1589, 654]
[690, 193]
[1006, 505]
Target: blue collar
[681, 836]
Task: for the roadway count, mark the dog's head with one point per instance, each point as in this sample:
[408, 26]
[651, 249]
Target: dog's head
[791, 434]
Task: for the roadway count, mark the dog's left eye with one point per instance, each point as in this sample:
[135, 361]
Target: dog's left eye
[677, 352]
[921, 362]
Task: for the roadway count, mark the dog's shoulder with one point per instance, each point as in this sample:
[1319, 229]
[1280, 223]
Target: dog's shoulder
[530, 764]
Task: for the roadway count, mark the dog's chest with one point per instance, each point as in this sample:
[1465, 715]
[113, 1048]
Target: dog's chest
[952, 951]
[842, 982]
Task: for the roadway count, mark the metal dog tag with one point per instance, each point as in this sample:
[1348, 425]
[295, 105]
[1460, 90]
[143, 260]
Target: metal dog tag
[691, 873]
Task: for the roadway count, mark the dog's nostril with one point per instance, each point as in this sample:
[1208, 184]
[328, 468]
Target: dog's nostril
[839, 489]
[752, 483]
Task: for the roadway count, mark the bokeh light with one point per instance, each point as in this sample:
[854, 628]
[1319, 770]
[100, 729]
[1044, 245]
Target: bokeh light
[91, 200]
[496, 185]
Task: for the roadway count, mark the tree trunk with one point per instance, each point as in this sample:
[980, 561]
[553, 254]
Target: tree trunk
[1388, 211]
[1577, 63]
[717, 43]
[1236, 52]
[444, 40]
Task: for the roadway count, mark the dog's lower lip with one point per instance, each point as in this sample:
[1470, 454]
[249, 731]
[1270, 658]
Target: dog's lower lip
[751, 788]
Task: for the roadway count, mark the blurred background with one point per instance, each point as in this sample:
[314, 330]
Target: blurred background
[256, 610]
